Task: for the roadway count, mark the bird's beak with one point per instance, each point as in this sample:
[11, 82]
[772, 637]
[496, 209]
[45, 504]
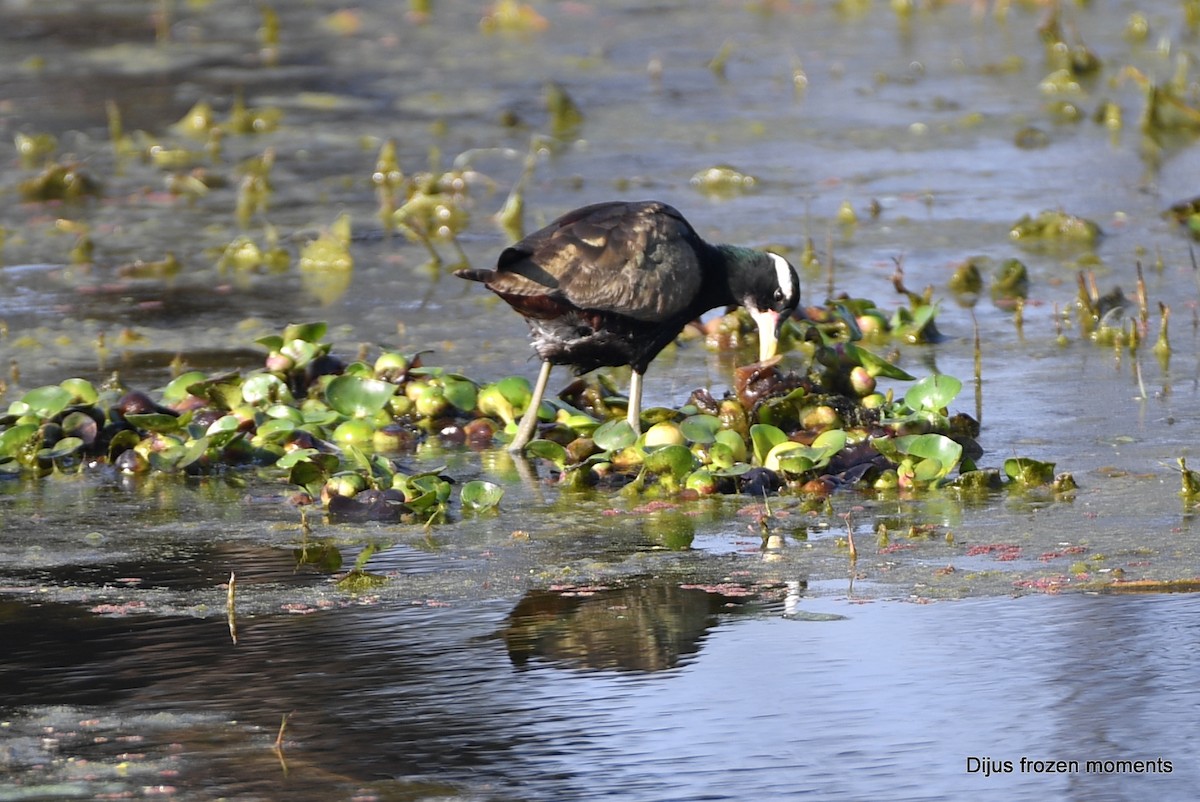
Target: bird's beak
[769, 322]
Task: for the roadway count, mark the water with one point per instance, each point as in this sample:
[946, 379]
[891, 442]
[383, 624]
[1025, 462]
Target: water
[688, 701]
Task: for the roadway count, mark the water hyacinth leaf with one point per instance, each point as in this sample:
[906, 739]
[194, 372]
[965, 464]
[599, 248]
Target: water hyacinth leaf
[493, 403]
[720, 456]
[614, 435]
[925, 446]
[223, 392]
[876, 365]
[48, 401]
[82, 391]
[264, 387]
[295, 457]
[831, 441]
[461, 393]
[310, 475]
[548, 450]
[63, 448]
[285, 412]
[701, 428]
[178, 457]
[930, 469]
[429, 490]
[318, 416]
[219, 441]
[480, 495]
[795, 458]
[675, 460]
[734, 442]
[764, 438]
[276, 429]
[932, 393]
[771, 461]
[517, 390]
[734, 470]
[179, 388]
[301, 352]
[225, 423]
[1029, 472]
[308, 332]
[359, 369]
[357, 397]
[159, 422]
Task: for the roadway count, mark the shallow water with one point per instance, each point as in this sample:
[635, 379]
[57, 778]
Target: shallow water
[701, 665]
[652, 695]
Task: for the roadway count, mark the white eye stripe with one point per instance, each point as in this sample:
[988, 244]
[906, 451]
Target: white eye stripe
[784, 275]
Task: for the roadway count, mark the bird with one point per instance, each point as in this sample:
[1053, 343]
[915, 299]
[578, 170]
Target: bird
[614, 283]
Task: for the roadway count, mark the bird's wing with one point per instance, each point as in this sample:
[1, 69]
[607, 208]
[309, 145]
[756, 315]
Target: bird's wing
[634, 259]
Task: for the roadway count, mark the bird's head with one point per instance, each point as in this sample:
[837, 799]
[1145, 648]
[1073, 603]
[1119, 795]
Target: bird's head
[772, 294]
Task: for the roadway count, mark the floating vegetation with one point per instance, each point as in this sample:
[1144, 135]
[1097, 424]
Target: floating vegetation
[1187, 214]
[339, 431]
[723, 181]
[1055, 226]
[61, 181]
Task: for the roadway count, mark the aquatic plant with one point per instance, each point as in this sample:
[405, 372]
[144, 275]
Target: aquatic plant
[339, 430]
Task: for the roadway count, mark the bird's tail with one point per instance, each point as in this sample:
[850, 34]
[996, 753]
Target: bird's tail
[476, 275]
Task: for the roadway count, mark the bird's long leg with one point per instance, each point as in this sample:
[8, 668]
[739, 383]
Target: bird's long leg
[634, 414]
[530, 418]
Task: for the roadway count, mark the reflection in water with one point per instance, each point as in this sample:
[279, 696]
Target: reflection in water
[643, 627]
[888, 702]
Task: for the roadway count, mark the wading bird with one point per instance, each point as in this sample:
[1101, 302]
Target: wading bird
[614, 283]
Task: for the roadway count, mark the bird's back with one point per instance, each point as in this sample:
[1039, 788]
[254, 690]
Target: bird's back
[640, 260]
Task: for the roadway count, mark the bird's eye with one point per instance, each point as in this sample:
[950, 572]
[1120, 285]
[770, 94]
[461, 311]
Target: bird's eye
[778, 295]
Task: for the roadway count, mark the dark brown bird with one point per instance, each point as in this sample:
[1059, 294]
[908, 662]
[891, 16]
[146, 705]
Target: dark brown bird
[614, 283]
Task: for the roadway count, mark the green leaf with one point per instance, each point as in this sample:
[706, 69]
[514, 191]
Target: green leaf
[276, 429]
[614, 435]
[461, 393]
[63, 448]
[701, 428]
[14, 439]
[479, 495]
[876, 365]
[179, 387]
[46, 402]
[309, 332]
[265, 387]
[1029, 472]
[81, 390]
[159, 422]
[932, 393]
[295, 457]
[678, 461]
[357, 397]
[765, 437]
[548, 450]
[942, 452]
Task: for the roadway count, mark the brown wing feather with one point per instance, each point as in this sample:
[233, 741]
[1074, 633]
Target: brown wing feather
[632, 259]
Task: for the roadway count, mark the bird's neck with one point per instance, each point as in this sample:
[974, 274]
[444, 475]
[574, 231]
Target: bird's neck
[727, 270]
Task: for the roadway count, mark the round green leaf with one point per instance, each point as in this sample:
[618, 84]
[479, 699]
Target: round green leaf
[357, 397]
[480, 495]
[614, 435]
[701, 428]
[932, 393]
[48, 401]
